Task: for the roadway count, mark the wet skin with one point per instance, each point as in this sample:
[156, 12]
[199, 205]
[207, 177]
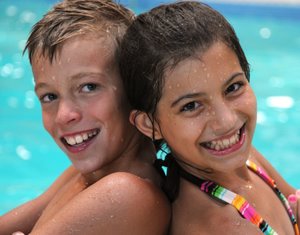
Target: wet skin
[82, 98]
[208, 99]
[86, 112]
[207, 116]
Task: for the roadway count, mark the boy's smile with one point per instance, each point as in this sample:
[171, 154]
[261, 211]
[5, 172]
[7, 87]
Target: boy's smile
[83, 102]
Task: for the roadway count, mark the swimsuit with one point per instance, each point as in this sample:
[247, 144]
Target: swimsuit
[240, 203]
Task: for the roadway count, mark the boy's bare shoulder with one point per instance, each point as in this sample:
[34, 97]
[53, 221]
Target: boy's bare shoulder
[118, 203]
[141, 203]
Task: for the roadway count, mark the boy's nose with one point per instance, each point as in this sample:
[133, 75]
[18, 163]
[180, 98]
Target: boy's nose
[68, 112]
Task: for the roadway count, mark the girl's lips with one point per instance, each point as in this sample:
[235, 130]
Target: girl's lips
[80, 141]
[227, 145]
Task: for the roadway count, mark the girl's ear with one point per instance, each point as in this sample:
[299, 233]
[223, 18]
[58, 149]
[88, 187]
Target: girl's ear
[145, 125]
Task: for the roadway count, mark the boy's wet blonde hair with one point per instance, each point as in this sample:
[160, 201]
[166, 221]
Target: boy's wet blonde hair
[71, 18]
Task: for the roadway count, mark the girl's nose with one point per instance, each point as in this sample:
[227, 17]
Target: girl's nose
[68, 112]
[224, 119]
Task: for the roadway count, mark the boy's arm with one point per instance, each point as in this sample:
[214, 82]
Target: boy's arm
[120, 203]
[24, 217]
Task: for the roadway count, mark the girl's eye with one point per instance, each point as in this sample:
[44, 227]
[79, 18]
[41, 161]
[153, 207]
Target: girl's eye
[189, 107]
[89, 87]
[47, 98]
[234, 87]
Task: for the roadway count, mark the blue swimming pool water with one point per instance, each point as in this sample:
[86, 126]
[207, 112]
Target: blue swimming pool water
[29, 159]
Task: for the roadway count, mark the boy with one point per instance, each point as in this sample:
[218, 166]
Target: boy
[111, 187]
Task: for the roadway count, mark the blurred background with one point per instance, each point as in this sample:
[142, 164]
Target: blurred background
[269, 33]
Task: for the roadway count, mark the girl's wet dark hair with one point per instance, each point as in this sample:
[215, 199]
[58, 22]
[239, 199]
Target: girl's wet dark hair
[161, 38]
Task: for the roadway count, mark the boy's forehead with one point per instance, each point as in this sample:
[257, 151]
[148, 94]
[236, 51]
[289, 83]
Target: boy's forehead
[98, 41]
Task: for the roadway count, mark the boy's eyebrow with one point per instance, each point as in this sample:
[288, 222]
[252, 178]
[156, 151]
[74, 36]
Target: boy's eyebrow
[85, 74]
[39, 86]
[192, 95]
[75, 77]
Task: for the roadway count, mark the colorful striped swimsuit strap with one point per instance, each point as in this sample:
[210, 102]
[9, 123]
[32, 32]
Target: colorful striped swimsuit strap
[260, 172]
[244, 208]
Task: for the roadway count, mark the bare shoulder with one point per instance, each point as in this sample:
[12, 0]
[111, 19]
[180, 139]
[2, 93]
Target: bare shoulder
[282, 184]
[143, 204]
[118, 203]
[24, 217]
[200, 214]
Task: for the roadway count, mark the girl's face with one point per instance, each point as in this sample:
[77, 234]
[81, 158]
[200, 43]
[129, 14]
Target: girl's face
[207, 112]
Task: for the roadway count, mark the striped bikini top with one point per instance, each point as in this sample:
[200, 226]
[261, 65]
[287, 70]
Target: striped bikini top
[239, 202]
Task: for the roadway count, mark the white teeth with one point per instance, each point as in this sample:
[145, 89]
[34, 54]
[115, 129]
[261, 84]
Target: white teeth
[79, 138]
[223, 144]
[70, 140]
[85, 136]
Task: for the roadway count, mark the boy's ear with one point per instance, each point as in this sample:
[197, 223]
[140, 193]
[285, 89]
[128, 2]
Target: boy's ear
[144, 124]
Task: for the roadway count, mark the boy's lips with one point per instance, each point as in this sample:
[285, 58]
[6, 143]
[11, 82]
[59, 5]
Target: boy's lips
[79, 141]
[227, 144]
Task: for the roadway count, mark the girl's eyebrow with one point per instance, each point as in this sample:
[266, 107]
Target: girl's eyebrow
[199, 94]
[186, 96]
[232, 77]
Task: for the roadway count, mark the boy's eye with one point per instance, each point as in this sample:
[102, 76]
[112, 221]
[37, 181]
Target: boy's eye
[47, 98]
[189, 107]
[88, 87]
[233, 87]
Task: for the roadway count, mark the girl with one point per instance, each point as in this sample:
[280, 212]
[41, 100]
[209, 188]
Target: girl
[187, 79]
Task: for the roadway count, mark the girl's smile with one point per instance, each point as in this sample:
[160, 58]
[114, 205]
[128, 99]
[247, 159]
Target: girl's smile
[208, 100]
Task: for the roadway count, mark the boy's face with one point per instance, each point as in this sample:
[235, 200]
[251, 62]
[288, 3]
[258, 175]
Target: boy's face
[83, 103]
[208, 105]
